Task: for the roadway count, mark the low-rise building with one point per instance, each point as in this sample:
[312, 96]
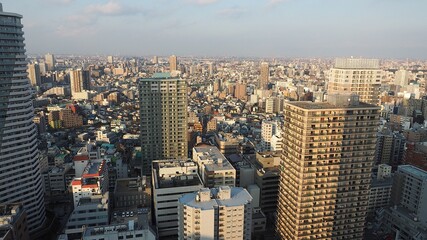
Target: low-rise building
[213, 167]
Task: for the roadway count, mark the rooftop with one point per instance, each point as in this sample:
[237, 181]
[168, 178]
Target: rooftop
[239, 196]
[94, 169]
[413, 171]
[175, 173]
[325, 105]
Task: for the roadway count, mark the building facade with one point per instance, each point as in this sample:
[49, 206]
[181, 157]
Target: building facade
[163, 116]
[217, 213]
[327, 159]
[20, 176]
[358, 76]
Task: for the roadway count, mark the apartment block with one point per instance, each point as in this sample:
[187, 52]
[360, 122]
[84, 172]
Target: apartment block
[326, 165]
[217, 213]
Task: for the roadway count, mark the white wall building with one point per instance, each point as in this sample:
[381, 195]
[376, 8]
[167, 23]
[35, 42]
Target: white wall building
[218, 213]
[170, 180]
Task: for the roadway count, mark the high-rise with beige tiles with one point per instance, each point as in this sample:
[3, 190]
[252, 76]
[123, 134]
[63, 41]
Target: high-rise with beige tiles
[264, 75]
[163, 116]
[327, 158]
[358, 76]
[173, 63]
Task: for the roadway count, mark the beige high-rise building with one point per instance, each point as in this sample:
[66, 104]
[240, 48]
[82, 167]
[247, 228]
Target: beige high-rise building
[218, 213]
[34, 74]
[264, 76]
[79, 81]
[173, 63]
[50, 61]
[163, 114]
[359, 76]
[327, 158]
[110, 59]
[155, 60]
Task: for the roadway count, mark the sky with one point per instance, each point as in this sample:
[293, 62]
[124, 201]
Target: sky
[242, 28]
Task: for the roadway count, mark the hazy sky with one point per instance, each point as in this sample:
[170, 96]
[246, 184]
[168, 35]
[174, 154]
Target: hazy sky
[263, 28]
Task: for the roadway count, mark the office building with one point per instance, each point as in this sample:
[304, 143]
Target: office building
[173, 63]
[20, 176]
[407, 216]
[358, 76]
[170, 180]
[267, 174]
[217, 213]
[13, 222]
[132, 193]
[34, 74]
[214, 169]
[163, 116]
[327, 159]
[264, 76]
[49, 59]
[79, 81]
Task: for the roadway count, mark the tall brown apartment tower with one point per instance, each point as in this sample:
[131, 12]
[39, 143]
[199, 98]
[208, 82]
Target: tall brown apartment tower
[264, 76]
[173, 62]
[327, 158]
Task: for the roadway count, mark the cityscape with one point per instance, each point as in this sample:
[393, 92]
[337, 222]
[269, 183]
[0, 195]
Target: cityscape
[103, 146]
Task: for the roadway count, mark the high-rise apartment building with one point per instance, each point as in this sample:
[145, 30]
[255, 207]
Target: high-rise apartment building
[264, 76]
[163, 114]
[79, 81]
[401, 77]
[358, 76]
[20, 176]
[110, 59]
[218, 213]
[327, 158]
[50, 61]
[155, 60]
[173, 63]
[34, 74]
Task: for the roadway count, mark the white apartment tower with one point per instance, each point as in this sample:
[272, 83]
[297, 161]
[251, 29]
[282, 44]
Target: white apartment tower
[217, 213]
[358, 76]
[20, 177]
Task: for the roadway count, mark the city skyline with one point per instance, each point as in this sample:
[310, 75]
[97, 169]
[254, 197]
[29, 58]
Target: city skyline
[264, 28]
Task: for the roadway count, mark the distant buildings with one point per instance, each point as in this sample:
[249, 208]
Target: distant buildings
[50, 61]
[110, 59]
[328, 154]
[79, 82]
[163, 116]
[20, 175]
[34, 74]
[358, 76]
[218, 213]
